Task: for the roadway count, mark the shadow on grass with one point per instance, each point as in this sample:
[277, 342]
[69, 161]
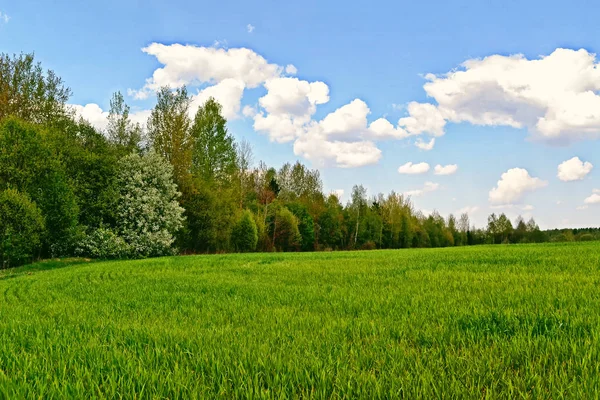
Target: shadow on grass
[45, 265]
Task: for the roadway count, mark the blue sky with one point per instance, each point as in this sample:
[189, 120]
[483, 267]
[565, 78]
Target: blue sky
[521, 117]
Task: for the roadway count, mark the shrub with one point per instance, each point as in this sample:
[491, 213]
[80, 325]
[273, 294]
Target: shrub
[103, 243]
[148, 212]
[21, 229]
[244, 235]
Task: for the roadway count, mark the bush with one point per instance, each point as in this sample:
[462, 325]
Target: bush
[148, 211]
[104, 244]
[244, 235]
[21, 229]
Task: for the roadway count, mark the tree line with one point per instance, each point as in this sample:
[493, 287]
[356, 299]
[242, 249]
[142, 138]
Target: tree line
[182, 183]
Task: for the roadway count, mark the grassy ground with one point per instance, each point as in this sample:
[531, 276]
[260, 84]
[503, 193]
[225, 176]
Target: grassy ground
[479, 322]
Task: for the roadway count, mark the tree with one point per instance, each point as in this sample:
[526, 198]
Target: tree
[244, 235]
[357, 208]
[21, 229]
[284, 230]
[169, 132]
[504, 228]
[125, 135]
[29, 164]
[26, 92]
[214, 153]
[305, 225]
[148, 211]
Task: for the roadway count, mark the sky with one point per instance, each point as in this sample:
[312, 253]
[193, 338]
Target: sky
[465, 106]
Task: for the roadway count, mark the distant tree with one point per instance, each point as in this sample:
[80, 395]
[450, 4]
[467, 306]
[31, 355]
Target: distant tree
[284, 230]
[21, 229]
[244, 235]
[148, 211]
[214, 152]
[29, 93]
[357, 208]
[169, 132]
[305, 225]
[124, 134]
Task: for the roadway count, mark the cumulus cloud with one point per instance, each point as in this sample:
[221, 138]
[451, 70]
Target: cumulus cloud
[573, 170]
[191, 65]
[423, 118]
[446, 170]
[467, 210]
[98, 118]
[291, 70]
[228, 93]
[555, 97]
[413, 169]
[427, 187]
[425, 145]
[594, 198]
[513, 184]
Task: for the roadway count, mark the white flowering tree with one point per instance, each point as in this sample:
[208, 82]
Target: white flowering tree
[148, 211]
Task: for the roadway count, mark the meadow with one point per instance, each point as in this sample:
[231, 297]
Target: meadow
[516, 321]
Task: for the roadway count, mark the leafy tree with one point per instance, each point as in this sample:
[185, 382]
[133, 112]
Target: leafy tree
[284, 230]
[148, 211]
[21, 229]
[169, 132]
[28, 164]
[244, 235]
[305, 225]
[214, 153]
[26, 92]
[125, 135]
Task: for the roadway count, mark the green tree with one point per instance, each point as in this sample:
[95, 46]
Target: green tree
[26, 92]
[284, 230]
[244, 235]
[169, 132]
[21, 229]
[214, 152]
[305, 225]
[121, 132]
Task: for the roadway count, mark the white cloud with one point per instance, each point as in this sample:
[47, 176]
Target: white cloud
[593, 199]
[512, 185]
[249, 111]
[467, 210]
[98, 118]
[4, 18]
[581, 208]
[423, 118]
[446, 170]
[228, 93]
[424, 145]
[250, 28]
[318, 149]
[427, 187]
[339, 193]
[573, 170]
[288, 107]
[191, 65]
[382, 129]
[526, 207]
[413, 169]
[555, 97]
[291, 70]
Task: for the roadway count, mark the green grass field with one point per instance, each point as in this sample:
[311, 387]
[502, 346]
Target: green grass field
[477, 322]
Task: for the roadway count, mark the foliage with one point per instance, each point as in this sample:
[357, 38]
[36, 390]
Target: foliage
[104, 244]
[21, 229]
[26, 92]
[214, 153]
[148, 211]
[244, 235]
